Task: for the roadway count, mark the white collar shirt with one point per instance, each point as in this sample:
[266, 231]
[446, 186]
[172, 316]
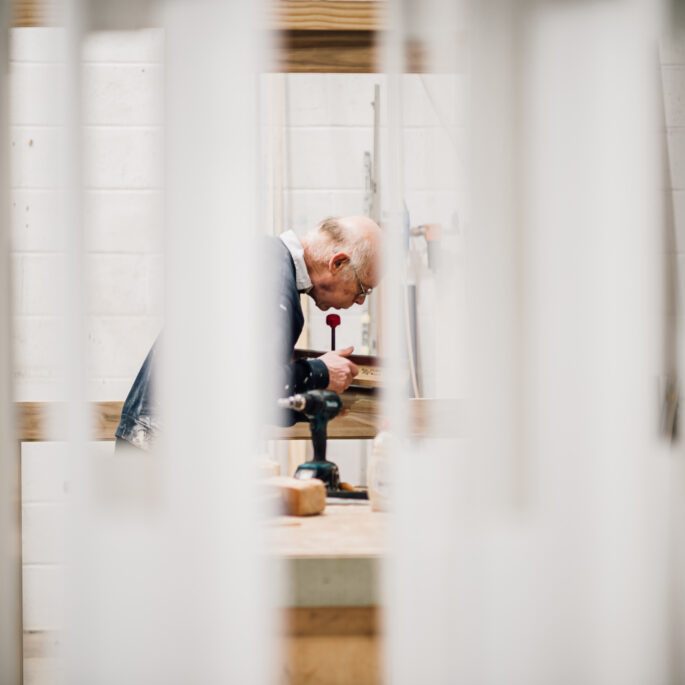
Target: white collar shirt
[292, 242]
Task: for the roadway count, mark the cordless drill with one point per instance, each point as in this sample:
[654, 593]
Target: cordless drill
[319, 406]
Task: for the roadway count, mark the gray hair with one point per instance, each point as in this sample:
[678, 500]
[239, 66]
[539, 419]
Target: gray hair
[330, 236]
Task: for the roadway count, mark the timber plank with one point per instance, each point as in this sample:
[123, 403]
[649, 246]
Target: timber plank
[41, 421]
[327, 15]
[300, 621]
[444, 418]
[322, 52]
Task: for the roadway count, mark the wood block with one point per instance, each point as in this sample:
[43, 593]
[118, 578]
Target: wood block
[300, 497]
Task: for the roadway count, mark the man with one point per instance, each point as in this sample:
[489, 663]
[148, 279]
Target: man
[336, 264]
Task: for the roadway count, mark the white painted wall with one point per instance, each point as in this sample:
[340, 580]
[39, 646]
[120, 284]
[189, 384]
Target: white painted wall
[122, 115]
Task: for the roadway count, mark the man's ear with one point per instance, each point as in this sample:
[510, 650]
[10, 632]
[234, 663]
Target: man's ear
[338, 261]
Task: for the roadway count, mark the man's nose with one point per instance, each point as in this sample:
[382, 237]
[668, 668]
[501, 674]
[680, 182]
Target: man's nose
[360, 299]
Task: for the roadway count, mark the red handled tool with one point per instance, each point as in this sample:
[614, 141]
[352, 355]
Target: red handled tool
[333, 320]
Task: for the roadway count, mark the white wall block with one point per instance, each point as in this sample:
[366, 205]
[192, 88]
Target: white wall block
[350, 99]
[33, 215]
[34, 90]
[430, 100]
[307, 101]
[123, 221]
[109, 389]
[38, 283]
[329, 158]
[36, 44]
[43, 472]
[123, 158]
[433, 160]
[122, 94]
[332, 99]
[43, 533]
[118, 345]
[34, 157]
[35, 353]
[120, 284]
[43, 597]
[30, 388]
[144, 45]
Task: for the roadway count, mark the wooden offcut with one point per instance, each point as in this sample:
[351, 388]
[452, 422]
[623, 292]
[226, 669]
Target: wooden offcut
[299, 497]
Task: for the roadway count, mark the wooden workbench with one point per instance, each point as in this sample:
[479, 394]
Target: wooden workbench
[332, 566]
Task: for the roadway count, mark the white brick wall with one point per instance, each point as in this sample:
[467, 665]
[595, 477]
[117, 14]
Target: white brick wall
[123, 235]
[44, 486]
[43, 490]
[122, 113]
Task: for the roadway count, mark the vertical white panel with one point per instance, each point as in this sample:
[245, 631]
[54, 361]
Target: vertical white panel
[10, 483]
[533, 548]
[594, 329]
[212, 354]
[172, 586]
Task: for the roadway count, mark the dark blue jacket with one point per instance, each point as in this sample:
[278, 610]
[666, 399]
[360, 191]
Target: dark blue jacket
[140, 424]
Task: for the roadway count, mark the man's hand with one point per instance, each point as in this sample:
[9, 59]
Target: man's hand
[341, 370]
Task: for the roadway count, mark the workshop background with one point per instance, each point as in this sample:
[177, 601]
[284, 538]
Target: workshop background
[317, 130]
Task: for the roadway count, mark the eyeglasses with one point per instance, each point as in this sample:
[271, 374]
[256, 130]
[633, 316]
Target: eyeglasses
[364, 292]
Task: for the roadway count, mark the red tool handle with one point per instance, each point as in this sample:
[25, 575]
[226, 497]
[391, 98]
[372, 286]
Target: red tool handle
[333, 320]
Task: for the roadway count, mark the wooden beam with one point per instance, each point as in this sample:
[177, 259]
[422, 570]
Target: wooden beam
[34, 13]
[343, 620]
[322, 52]
[327, 15]
[41, 421]
[438, 418]
[332, 646]
[352, 52]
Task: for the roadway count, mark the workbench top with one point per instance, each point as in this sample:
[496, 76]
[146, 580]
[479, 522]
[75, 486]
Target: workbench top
[332, 559]
[349, 530]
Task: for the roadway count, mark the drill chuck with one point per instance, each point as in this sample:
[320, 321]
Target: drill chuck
[322, 404]
[296, 402]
